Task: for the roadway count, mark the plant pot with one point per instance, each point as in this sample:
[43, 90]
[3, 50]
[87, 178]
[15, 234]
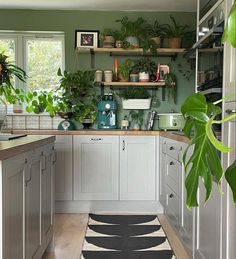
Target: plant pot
[108, 75]
[144, 77]
[3, 113]
[136, 104]
[109, 42]
[119, 44]
[157, 41]
[136, 126]
[133, 77]
[87, 123]
[133, 41]
[175, 43]
[123, 79]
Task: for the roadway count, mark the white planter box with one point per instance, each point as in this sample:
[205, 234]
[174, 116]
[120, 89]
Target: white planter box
[137, 104]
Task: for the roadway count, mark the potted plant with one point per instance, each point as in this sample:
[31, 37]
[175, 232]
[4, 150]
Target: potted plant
[146, 69]
[175, 33]
[132, 30]
[155, 33]
[124, 70]
[108, 38]
[135, 98]
[137, 119]
[85, 114]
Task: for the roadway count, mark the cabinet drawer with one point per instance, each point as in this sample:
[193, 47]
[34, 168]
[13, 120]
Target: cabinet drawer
[173, 149]
[173, 208]
[174, 174]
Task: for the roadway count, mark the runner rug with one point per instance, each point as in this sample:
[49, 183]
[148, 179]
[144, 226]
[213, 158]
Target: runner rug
[125, 237]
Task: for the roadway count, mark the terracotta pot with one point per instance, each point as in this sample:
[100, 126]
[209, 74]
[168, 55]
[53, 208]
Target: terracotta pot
[123, 79]
[109, 42]
[175, 43]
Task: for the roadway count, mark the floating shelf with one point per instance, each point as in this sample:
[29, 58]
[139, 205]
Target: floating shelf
[156, 84]
[137, 51]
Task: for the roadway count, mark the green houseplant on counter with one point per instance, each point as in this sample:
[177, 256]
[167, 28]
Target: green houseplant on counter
[204, 163]
[137, 119]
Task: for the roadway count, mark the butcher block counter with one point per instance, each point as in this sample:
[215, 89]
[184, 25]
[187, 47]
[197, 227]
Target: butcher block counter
[175, 135]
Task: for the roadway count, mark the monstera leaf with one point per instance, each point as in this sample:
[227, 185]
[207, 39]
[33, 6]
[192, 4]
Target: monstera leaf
[230, 30]
[230, 176]
[204, 163]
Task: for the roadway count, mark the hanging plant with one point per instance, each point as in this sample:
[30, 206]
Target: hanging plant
[204, 163]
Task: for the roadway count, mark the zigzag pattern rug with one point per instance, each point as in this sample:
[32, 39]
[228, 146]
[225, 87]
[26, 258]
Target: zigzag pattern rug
[125, 237]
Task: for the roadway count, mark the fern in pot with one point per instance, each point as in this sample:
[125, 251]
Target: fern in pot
[124, 70]
[137, 119]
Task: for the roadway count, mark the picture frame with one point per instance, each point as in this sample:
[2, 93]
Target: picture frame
[86, 39]
[163, 69]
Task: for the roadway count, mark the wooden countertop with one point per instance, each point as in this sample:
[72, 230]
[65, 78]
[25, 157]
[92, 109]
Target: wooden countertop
[175, 135]
[14, 147]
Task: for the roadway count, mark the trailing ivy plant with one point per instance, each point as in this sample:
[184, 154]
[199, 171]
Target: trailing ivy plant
[204, 163]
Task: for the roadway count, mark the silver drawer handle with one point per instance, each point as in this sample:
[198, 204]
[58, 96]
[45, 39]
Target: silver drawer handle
[95, 139]
[230, 111]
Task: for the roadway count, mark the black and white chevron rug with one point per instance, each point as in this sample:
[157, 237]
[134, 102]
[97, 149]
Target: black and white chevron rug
[125, 237]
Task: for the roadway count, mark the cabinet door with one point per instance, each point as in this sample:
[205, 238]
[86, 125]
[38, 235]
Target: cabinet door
[32, 204]
[208, 225]
[96, 167]
[162, 171]
[229, 208]
[47, 190]
[13, 205]
[63, 170]
[137, 168]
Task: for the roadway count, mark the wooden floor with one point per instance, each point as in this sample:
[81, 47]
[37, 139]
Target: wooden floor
[70, 231]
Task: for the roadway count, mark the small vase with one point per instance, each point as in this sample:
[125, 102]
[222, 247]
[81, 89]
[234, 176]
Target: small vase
[87, 123]
[133, 78]
[3, 113]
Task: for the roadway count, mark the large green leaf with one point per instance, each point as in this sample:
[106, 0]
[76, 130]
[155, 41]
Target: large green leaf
[230, 176]
[230, 30]
[196, 102]
[203, 164]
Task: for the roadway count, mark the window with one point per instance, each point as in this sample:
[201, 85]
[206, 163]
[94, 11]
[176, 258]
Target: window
[39, 54]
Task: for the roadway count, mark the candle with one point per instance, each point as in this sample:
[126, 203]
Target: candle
[116, 68]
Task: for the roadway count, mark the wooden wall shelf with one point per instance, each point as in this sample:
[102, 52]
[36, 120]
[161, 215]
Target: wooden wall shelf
[145, 84]
[128, 52]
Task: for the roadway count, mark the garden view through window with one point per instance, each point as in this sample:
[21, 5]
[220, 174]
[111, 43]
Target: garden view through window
[39, 54]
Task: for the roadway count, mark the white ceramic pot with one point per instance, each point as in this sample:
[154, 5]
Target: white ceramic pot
[108, 75]
[144, 77]
[133, 41]
[137, 104]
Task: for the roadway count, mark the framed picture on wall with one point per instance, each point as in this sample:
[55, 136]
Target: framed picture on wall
[86, 39]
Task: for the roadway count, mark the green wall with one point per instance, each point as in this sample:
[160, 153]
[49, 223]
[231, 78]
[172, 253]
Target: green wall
[70, 20]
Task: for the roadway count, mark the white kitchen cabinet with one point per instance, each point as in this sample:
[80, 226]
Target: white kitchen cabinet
[96, 167]
[137, 168]
[162, 171]
[27, 203]
[32, 204]
[64, 168]
[47, 190]
[13, 207]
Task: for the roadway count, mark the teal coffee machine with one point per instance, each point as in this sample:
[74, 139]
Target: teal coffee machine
[107, 111]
